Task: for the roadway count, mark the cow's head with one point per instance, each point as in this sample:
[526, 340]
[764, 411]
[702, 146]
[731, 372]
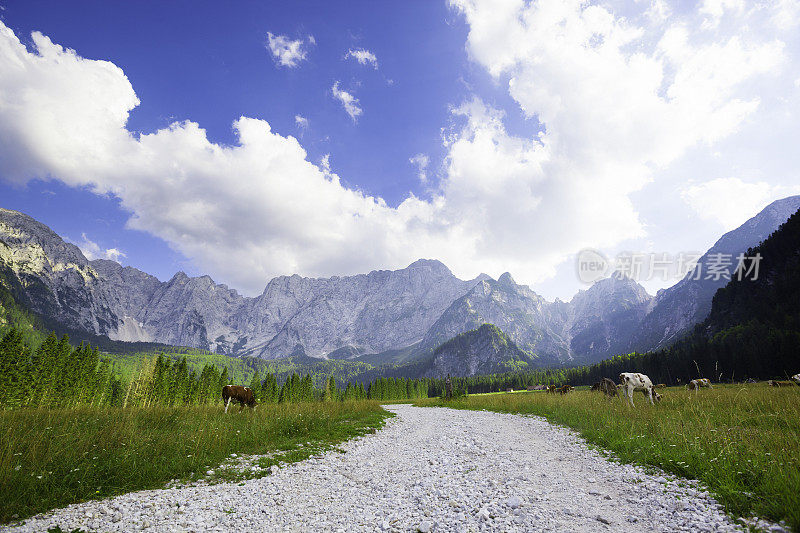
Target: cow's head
[656, 396]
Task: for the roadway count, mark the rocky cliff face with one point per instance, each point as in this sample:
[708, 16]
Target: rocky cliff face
[602, 319]
[423, 305]
[677, 309]
[52, 277]
[485, 350]
[534, 324]
[369, 312]
[364, 313]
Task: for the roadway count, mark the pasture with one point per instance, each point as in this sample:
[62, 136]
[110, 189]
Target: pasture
[51, 458]
[741, 441]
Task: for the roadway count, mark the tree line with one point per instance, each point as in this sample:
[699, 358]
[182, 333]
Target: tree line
[56, 374]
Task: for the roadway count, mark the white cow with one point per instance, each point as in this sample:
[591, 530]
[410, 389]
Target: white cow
[632, 381]
[796, 378]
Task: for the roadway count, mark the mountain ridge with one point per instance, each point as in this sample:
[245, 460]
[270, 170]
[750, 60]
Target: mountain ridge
[381, 316]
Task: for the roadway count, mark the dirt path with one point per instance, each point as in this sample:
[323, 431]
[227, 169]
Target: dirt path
[430, 470]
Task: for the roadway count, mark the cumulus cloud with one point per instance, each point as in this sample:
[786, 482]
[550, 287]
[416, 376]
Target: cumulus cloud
[619, 98]
[93, 251]
[364, 57]
[731, 201]
[421, 162]
[288, 52]
[349, 102]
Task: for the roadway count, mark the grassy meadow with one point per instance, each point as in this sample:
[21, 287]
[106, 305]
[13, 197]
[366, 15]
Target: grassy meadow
[51, 458]
[741, 441]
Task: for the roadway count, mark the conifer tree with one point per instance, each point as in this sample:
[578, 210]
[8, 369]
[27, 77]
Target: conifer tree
[255, 386]
[14, 359]
[269, 389]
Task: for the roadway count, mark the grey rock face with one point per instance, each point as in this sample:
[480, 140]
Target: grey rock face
[372, 312]
[603, 318]
[534, 324]
[423, 304]
[677, 309]
[52, 277]
[368, 313]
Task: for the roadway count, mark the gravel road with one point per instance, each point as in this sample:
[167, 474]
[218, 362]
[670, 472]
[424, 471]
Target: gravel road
[429, 469]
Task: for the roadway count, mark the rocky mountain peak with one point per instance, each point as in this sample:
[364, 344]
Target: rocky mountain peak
[432, 266]
[677, 309]
[506, 279]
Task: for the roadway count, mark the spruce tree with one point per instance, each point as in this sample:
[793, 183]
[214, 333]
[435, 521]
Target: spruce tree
[14, 359]
[255, 386]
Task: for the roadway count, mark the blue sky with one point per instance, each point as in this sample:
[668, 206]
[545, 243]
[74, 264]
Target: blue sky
[621, 127]
[193, 60]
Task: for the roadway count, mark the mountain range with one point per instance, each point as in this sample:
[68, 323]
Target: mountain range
[382, 316]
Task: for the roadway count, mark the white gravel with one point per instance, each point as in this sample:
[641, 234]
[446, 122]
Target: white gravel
[429, 469]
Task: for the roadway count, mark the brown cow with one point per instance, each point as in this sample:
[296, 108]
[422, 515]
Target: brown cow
[565, 389]
[661, 386]
[608, 387]
[552, 389]
[237, 393]
[776, 383]
[697, 384]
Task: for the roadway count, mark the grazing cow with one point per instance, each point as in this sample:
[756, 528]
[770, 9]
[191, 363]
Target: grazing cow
[661, 386]
[633, 381]
[776, 383]
[697, 384]
[565, 389]
[796, 378]
[240, 394]
[552, 389]
[607, 386]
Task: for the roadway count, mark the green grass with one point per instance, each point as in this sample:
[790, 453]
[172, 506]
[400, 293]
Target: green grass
[52, 458]
[741, 441]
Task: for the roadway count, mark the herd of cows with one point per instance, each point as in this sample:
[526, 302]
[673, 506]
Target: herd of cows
[631, 382]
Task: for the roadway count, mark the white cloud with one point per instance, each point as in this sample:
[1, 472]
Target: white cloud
[786, 14]
[287, 52]
[714, 10]
[93, 251]
[620, 100]
[364, 57]
[349, 102]
[421, 162]
[731, 201]
[301, 122]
